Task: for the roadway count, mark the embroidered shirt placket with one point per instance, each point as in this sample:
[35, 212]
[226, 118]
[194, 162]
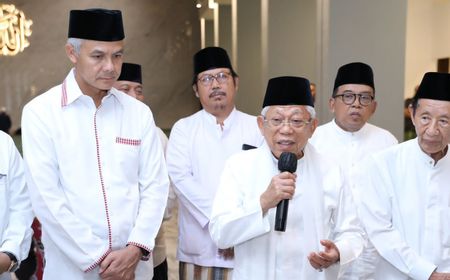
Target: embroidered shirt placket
[100, 173]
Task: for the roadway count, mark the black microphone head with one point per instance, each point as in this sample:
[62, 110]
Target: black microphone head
[287, 162]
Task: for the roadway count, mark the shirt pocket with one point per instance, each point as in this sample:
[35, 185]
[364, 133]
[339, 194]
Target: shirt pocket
[127, 153]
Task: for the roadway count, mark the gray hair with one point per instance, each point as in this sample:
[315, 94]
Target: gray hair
[310, 110]
[76, 44]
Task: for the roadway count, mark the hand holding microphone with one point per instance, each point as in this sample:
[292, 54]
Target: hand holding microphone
[287, 162]
[281, 187]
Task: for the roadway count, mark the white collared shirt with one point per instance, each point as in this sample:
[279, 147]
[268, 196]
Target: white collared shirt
[321, 208]
[406, 211]
[97, 176]
[16, 215]
[197, 150]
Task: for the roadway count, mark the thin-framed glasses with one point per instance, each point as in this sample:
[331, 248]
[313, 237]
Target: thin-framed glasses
[221, 77]
[296, 123]
[349, 98]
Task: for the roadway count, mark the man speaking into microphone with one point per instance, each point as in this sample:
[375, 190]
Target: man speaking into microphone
[320, 235]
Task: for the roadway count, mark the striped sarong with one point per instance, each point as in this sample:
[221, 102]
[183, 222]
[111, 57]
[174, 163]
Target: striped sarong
[189, 271]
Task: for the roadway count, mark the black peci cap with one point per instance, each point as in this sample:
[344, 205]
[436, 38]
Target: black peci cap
[288, 90]
[434, 86]
[131, 72]
[96, 24]
[354, 73]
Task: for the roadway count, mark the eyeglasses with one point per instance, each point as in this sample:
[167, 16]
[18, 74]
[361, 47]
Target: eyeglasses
[349, 98]
[221, 78]
[296, 123]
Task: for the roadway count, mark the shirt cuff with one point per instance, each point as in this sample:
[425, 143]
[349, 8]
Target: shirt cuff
[422, 269]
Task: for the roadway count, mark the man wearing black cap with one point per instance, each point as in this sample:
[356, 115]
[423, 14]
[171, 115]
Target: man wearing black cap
[130, 82]
[197, 150]
[405, 208]
[348, 138]
[322, 232]
[95, 170]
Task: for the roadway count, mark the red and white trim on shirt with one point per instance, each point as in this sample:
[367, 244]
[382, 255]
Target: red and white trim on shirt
[63, 94]
[98, 262]
[126, 141]
[100, 173]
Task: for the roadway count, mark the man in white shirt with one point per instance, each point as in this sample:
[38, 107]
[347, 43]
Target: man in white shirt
[348, 138]
[15, 209]
[406, 202]
[322, 231]
[130, 82]
[95, 170]
[197, 150]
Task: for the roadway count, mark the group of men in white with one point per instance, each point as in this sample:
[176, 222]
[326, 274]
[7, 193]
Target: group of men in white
[361, 206]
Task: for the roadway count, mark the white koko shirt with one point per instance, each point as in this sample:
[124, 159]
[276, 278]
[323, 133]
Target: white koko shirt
[97, 177]
[196, 154]
[16, 215]
[321, 208]
[406, 211]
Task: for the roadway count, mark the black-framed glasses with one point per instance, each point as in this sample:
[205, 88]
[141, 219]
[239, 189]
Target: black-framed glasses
[296, 123]
[349, 98]
[221, 77]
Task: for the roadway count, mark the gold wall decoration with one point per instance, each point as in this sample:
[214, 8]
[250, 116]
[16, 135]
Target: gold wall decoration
[14, 30]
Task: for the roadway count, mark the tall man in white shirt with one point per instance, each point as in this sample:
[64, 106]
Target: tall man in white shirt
[95, 170]
[348, 138]
[197, 150]
[322, 231]
[406, 204]
[15, 209]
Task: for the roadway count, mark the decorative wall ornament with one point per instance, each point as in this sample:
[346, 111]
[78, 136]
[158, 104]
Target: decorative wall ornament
[14, 30]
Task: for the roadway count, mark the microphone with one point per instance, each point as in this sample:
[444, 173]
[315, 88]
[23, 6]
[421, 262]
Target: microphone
[287, 162]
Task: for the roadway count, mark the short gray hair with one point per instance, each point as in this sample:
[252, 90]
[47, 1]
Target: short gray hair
[310, 110]
[76, 44]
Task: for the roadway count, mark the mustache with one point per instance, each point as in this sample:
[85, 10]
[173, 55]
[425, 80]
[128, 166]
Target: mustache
[217, 93]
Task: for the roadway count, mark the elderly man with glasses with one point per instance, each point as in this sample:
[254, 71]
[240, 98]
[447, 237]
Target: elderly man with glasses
[322, 233]
[348, 138]
[197, 150]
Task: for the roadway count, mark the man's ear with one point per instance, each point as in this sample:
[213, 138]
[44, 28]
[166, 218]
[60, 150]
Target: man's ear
[194, 87]
[71, 53]
[236, 83]
[331, 102]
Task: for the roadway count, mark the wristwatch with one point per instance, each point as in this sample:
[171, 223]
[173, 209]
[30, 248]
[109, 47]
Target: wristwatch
[145, 254]
[14, 264]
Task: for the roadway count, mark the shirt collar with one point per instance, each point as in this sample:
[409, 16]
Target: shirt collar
[344, 133]
[70, 91]
[425, 157]
[226, 123]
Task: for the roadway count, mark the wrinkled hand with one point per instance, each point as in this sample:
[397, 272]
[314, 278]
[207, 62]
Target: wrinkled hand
[439, 276]
[5, 262]
[282, 186]
[323, 259]
[120, 264]
[227, 254]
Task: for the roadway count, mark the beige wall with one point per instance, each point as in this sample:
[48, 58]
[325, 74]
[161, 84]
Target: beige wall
[160, 35]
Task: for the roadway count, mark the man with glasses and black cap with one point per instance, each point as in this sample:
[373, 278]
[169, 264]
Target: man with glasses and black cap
[322, 232]
[95, 170]
[348, 138]
[198, 147]
[406, 206]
